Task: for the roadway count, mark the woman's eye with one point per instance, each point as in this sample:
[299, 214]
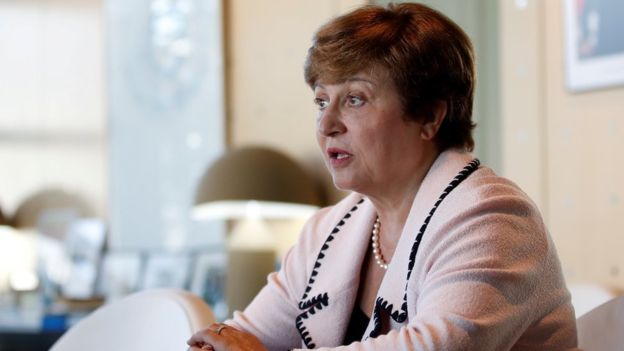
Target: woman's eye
[355, 101]
[321, 103]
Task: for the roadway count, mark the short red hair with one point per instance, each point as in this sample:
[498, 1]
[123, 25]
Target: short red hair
[428, 57]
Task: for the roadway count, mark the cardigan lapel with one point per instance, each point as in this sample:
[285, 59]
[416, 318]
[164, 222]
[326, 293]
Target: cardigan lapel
[336, 277]
[391, 295]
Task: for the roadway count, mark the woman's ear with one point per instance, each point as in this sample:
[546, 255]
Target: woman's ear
[431, 127]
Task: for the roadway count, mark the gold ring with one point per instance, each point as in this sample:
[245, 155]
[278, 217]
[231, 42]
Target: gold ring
[221, 327]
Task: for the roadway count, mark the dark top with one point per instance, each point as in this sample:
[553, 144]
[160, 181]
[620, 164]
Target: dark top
[357, 326]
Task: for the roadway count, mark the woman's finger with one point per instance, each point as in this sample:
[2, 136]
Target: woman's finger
[210, 336]
[220, 337]
[206, 347]
[199, 337]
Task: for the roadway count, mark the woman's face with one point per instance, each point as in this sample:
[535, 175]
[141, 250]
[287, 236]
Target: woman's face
[367, 142]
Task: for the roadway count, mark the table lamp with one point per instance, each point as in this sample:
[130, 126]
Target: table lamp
[3, 219]
[251, 185]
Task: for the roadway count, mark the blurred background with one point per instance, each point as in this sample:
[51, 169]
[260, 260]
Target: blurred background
[113, 113]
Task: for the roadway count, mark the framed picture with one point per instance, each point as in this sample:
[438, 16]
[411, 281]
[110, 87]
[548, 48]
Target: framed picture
[594, 50]
[208, 281]
[120, 274]
[84, 242]
[165, 270]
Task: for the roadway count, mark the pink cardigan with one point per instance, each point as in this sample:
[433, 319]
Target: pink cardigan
[485, 275]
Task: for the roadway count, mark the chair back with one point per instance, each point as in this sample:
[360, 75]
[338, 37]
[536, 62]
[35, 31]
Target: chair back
[602, 329]
[155, 320]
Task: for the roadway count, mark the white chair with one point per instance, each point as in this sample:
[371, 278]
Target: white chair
[587, 296]
[155, 320]
[602, 329]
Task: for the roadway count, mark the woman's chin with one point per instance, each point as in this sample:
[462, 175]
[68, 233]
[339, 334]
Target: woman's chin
[343, 184]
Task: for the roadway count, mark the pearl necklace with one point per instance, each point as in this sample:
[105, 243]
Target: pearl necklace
[376, 247]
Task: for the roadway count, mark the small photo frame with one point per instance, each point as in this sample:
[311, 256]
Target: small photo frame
[165, 270]
[208, 281]
[594, 50]
[84, 243]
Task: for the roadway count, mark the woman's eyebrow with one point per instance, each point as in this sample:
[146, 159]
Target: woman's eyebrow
[350, 80]
[361, 79]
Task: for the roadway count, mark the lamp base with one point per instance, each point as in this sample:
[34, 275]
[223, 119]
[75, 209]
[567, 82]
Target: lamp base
[247, 272]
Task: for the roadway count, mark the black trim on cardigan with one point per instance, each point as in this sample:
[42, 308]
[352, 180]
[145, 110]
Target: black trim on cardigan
[381, 304]
[321, 300]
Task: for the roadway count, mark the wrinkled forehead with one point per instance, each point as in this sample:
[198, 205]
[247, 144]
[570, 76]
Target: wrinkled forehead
[334, 75]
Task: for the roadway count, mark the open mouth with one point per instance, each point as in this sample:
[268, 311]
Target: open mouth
[338, 154]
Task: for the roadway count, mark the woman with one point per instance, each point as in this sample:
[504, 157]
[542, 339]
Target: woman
[431, 251]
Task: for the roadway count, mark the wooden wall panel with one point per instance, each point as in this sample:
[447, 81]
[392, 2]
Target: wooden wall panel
[563, 148]
[585, 139]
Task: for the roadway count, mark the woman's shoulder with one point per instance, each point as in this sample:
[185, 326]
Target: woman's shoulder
[485, 187]
[495, 212]
[479, 190]
[480, 184]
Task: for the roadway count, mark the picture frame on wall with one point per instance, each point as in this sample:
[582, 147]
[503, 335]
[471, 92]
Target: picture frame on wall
[594, 49]
[166, 270]
[208, 281]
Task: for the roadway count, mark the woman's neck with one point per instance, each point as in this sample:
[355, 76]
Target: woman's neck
[393, 203]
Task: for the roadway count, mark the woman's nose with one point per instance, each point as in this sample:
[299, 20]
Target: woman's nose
[330, 121]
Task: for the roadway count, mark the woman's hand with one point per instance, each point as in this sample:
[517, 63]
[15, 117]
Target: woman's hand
[222, 337]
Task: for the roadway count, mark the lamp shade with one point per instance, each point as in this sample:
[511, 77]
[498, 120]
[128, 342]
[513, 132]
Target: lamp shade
[255, 179]
[51, 211]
